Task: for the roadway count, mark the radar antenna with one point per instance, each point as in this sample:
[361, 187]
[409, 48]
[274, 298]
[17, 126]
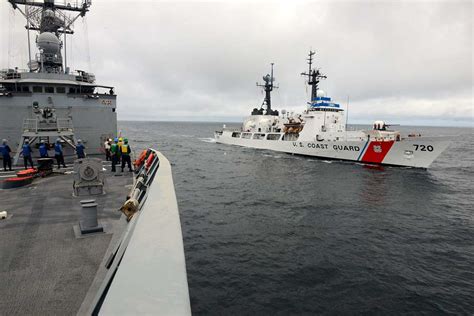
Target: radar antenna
[268, 87]
[314, 76]
[50, 17]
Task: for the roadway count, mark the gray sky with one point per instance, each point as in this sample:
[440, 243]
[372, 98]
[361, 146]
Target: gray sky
[402, 61]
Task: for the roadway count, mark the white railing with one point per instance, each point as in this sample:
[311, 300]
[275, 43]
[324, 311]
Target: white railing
[30, 125]
[64, 124]
[35, 125]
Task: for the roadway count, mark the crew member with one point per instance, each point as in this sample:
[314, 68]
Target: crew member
[120, 143]
[7, 159]
[107, 149]
[43, 149]
[26, 152]
[80, 149]
[114, 152]
[58, 154]
[125, 150]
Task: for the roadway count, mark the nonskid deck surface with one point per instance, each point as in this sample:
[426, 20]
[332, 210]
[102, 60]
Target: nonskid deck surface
[44, 268]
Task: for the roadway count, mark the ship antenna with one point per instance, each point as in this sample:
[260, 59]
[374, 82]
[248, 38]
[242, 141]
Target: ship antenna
[314, 76]
[49, 16]
[268, 86]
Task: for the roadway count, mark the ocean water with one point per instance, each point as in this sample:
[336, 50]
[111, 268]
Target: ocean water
[272, 233]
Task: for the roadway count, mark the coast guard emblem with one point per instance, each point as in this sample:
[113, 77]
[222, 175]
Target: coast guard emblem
[377, 148]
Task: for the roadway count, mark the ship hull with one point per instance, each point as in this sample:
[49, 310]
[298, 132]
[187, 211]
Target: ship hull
[417, 152]
[94, 119]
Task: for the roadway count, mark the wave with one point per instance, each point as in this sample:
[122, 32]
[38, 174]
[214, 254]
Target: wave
[207, 140]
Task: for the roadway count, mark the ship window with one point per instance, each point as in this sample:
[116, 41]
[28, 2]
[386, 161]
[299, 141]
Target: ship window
[246, 135]
[49, 89]
[25, 89]
[236, 134]
[72, 90]
[273, 136]
[38, 89]
[290, 137]
[60, 90]
[258, 136]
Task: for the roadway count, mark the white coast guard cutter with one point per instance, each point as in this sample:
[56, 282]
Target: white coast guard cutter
[320, 131]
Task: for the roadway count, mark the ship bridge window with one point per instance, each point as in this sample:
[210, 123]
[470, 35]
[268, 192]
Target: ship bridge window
[72, 90]
[273, 136]
[246, 135]
[236, 134]
[38, 89]
[258, 136]
[25, 89]
[49, 89]
[60, 90]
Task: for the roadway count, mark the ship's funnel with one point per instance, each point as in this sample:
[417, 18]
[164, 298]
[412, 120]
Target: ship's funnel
[48, 42]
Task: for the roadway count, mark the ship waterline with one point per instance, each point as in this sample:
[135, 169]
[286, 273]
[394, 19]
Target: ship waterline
[419, 153]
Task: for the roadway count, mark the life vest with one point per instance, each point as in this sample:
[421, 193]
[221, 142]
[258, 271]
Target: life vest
[114, 148]
[125, 149]
[43, 150]
[26, 150]
[80, 149]
[58, 149]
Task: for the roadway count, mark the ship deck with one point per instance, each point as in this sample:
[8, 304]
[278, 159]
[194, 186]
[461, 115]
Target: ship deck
[44, 267]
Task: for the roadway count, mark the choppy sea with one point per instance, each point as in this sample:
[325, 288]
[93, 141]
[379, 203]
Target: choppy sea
[272, 233]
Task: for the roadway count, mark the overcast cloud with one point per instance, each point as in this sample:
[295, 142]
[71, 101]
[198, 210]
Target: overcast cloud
[402, 61]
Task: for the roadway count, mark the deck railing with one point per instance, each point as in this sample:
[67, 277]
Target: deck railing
[35, 125]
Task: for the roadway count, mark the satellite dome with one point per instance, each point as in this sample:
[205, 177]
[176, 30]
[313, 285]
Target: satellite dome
[48, 42]
[321, 94]
[48, 13]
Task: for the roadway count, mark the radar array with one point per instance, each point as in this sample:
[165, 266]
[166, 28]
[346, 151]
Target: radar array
[268, 87]
[314, 76]
[51, 18]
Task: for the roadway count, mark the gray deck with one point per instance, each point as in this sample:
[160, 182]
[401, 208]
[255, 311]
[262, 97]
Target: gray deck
[44, 268]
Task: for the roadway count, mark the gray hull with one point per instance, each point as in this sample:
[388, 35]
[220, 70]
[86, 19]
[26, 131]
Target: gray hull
[93, 116]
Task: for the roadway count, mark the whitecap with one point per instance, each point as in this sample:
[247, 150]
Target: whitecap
[207, 140]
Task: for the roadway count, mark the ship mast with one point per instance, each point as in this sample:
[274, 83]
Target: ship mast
[314, 76]
[51, 21]
[268, 87]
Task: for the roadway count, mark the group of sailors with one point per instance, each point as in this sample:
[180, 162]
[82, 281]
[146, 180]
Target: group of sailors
[44, 148]
[118, 152]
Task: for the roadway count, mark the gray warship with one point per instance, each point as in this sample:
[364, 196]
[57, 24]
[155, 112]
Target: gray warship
[81, 240]
[49, 100]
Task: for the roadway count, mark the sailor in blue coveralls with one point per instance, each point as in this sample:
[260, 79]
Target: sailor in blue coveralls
[58, 154]
[80, 150]
[43, 149]
[26, 152]
[7, 159]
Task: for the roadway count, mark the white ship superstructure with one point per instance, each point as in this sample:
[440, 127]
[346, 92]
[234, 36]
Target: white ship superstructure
[320, 131]
[48, 100]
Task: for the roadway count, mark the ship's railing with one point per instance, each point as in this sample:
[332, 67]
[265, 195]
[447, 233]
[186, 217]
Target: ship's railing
[11, 73]
[64, 124]
[35, 125]
[30, 125]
